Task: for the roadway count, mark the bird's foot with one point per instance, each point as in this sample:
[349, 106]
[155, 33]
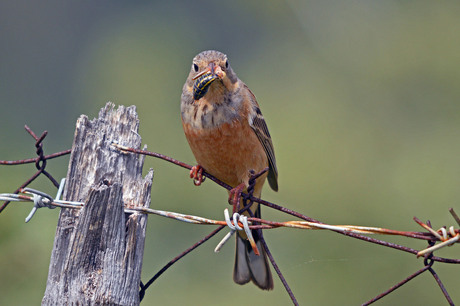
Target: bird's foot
[196, 173]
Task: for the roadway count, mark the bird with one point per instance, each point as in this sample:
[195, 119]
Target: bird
[229, 138]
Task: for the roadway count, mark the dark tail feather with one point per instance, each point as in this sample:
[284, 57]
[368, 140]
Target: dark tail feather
[249, 266]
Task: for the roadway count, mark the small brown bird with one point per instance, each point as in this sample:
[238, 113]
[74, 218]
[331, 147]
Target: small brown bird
[229, 138]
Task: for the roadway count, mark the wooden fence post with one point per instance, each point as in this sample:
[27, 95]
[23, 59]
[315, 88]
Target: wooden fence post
[98, 250]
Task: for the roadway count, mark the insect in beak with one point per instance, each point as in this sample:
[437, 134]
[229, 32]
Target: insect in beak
[201, 85]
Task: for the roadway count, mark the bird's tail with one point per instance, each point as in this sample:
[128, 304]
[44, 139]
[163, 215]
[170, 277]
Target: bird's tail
[249, 266]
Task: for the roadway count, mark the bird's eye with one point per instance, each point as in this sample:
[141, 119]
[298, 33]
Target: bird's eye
[195, 67]
[226, 64]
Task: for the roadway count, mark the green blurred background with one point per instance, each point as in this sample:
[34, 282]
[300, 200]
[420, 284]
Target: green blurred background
[361, 98]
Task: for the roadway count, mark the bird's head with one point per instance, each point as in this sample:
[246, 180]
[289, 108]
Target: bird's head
[210, 70]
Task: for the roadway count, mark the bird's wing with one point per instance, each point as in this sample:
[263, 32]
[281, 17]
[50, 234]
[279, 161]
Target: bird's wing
[260, 128]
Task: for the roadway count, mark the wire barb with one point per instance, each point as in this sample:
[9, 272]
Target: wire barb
[40, 163]
[40, 200]
[224, 241]
[444, 237]
[236, 227]
[454, 214]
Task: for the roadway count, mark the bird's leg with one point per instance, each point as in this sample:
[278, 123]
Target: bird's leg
[235, 193]
[196, 173]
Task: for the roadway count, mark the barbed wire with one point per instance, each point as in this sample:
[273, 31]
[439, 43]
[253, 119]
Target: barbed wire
[44, 200]
[312, 222]
[445, 236]
[40, 162]
[448, 237]
[301, 216]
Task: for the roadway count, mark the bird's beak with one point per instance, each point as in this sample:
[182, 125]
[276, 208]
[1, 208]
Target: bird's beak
[212, 68]
[215, 70]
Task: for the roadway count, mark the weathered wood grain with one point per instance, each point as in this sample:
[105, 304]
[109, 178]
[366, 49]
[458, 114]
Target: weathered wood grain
[98, 250]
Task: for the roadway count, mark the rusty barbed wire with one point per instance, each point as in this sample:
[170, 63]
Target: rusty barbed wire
[316, 223]
[267, 225]
[444, 236]
[428, 263]
[40, 163]
[427, 236]
[451, 237]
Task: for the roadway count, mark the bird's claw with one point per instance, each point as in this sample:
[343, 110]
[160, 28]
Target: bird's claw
[196, 173]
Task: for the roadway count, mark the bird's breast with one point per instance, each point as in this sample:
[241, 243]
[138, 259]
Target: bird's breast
[227, 151]
[204, 115]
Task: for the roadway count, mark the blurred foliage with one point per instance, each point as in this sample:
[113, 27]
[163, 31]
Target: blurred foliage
[361, 98]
